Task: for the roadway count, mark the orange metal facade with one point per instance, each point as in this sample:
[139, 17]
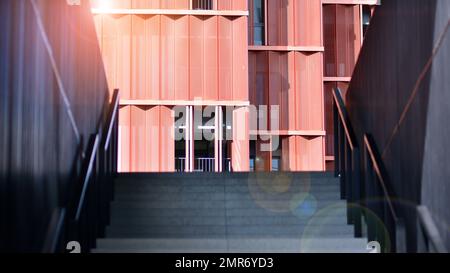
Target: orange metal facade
[163, 53]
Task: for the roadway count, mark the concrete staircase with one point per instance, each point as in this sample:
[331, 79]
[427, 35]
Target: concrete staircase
[237, 213]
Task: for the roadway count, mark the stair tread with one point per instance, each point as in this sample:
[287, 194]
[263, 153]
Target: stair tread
[230, 212]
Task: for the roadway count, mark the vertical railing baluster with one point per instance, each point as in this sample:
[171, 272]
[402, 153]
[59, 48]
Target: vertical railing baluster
[370, 217]
[336, 140]
[342, 168]
[357, 193]
[349, 182]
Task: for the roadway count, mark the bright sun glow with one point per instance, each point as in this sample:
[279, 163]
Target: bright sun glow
[101, 6]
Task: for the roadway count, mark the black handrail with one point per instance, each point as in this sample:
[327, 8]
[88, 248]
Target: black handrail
[368, 197]
[347, 162]
[429, 239]
[384, 225]
[86, 214]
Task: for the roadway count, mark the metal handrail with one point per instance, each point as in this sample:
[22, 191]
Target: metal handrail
[339, 103]
[112, 117]
[87, 177]
[361, 192]
[347, 161]
[86, 213]
[431, 232]
[376, 163]
[388, 213]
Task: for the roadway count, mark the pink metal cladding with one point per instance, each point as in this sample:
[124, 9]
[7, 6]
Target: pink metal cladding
[206, 57]
[342, 40]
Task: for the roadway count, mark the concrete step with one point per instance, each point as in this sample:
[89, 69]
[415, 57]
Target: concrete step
[258, 245]
[226, 182]
[271, 175]
[216, 196]
[208, 212]
[205, 204]
[221, 220]
[244, 189]
[219, 231]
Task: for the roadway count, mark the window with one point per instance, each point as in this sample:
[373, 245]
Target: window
[367, 14]
[202, 4]
[258, 22]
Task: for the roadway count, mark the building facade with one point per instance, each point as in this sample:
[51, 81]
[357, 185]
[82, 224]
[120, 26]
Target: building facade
[228, 85]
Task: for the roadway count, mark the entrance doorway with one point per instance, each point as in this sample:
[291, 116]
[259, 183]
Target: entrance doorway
[202, 147]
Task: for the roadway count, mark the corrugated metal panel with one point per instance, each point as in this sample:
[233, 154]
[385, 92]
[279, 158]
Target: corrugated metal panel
[310, 155]
[225, 36]
[309, 98]
[240, 149]
[210, 65]
[167, 57]
[240, 60]
[307, 21]
[124, 139]
[231, 4]
[166, 144]
[117, 52]
[145, 74]
[181, 77]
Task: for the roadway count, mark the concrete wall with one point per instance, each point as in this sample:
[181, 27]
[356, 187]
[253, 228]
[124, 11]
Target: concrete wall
[398, 95]
[53, 92]
[436, 159]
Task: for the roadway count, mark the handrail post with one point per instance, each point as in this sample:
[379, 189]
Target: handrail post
[336, 140]
[357, 193]
[342, 161]
[348, 181]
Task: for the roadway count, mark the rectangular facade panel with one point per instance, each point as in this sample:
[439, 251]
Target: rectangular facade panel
[342, 39]
[167, 142]
[146, 4]
[240, 149]
[309, 98]
[292, 110]
[211, 72]
[240, 60]
[285, 90]
[145, 70]
[175, 4]
[181, 35]
[329, 33]
[196, 48]
[307, 22]
[167, 57]
[310, 155]
[225, 37]
[145, 139]
[252, 77]
[117, 52]
[231, 4]
[124, 139]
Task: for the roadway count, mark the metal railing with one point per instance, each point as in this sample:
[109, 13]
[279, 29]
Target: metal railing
[202, 164]
[347, 162]
[87, 212]
[368, 198]
[383, 222]
[205, 165]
